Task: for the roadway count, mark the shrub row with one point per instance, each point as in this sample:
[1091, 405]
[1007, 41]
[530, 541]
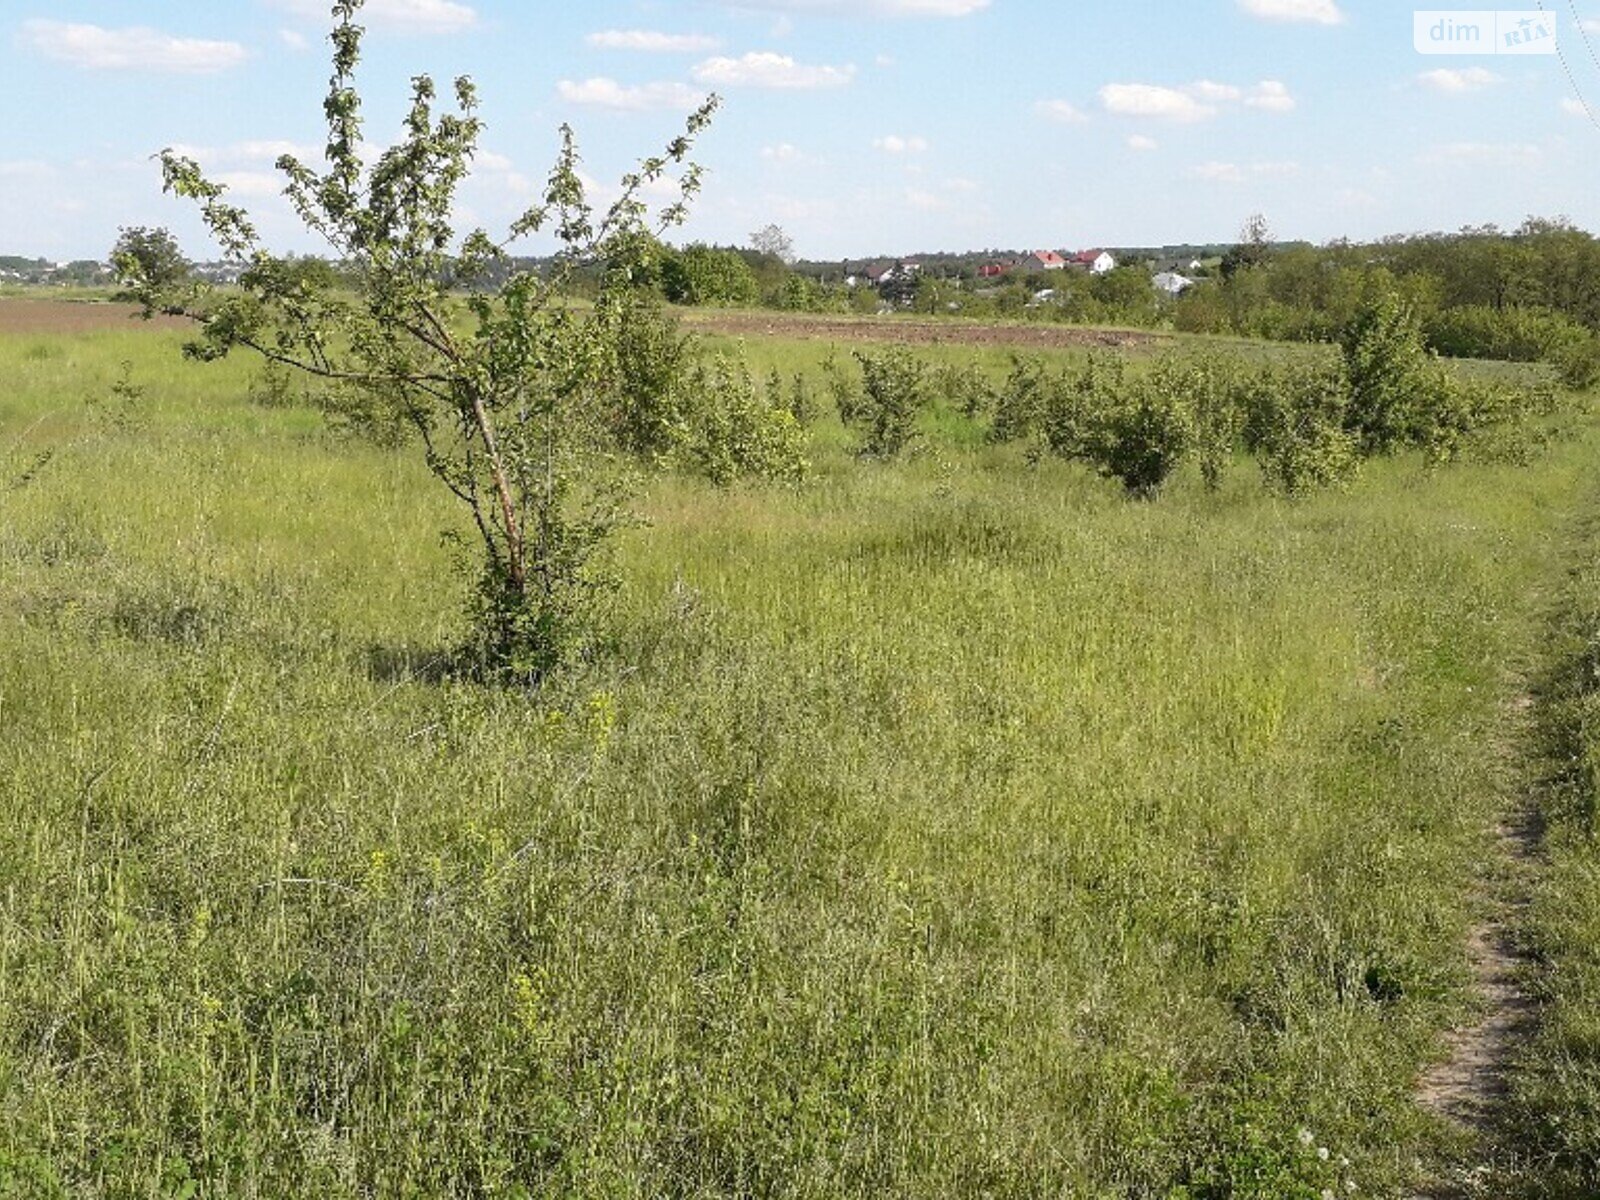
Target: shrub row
[1308, 424]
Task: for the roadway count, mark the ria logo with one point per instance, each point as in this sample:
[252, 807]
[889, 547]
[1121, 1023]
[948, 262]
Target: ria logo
[1484, 31]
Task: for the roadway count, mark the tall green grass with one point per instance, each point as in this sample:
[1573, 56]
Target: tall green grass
[1555, 1111]
[948, 828]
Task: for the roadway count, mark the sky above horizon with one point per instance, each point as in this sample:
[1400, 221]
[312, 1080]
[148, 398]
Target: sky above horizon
[862, 127]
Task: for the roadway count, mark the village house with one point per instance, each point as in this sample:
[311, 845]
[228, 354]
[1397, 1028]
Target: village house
[1042, 260]
[1096, 262]
[1172, 283]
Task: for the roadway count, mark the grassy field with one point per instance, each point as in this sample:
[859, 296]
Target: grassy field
[948, 828]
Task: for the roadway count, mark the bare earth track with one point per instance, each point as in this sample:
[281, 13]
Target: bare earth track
[902, 332]
[39, 317]
[1468, 1087]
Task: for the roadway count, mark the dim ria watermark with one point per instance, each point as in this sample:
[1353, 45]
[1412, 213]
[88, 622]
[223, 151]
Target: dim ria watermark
[1485, 31]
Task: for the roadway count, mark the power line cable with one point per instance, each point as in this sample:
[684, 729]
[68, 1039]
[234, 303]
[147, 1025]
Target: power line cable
[1577, 23]
[1566, 67]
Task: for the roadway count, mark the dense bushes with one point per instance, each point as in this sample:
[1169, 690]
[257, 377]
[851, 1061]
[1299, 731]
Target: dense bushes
[1308, 423]
[1519, 335]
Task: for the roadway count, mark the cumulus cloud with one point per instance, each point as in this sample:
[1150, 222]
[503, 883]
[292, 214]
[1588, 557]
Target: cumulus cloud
[1218, 172]
[1270, 95]
[137, 48]
[1211, 91]
[895, 144]
[601, 92]
[1063, 111]
[764, 69]
[652, 42]
[1198, 101]
[1485, 154]
[782, 153]
[403, 16]
[1143, 144]
[1226, 172]
[1150, 100]
[236, 154]
[1469, 79]
[252, 184]
[1314, 12]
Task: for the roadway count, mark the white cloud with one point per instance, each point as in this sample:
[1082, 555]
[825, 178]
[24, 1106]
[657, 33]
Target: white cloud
[1198, 101]
[1316, 12]
[1468, 79]
[895, 144]
[652, 42]
[137, 48]
[247, 153]
[1063, 111]
[1143, 144]
[1486, 154]
[1574, 108]
[924, 201]
[402, 16]
[1150, 100]
[256, 184]
[600, 92]
[782, 153]
[1226, 172]
[1209, 90]
[1270, 95]
[765, 69]
[26, 169]
[294, 39]
[1218, 172]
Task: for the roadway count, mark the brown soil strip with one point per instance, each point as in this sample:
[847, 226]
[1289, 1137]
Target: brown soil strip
[1468, 1087]
[902, 332]
[43, 317]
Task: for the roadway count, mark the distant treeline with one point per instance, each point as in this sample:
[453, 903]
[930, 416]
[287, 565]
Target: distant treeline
[1527, 295]
[1532, 294]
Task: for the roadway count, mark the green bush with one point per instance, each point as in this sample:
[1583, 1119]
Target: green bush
[1295, 424]
[701, 274]
[649, 406]
[739, 433]
[1388, 373]
[893, 392]
[1072, 405]
[964, 388]
[1140, 434]
[1020, 403]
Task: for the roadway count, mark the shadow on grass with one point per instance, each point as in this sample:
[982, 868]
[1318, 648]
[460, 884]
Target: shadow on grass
[418, 664]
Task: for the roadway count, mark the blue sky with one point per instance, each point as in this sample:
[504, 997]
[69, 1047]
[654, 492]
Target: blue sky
[863, 127]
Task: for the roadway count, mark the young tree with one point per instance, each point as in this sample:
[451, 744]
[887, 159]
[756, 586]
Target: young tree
[773, 241]
[509, 394]
[1253, 249]
[148, 260]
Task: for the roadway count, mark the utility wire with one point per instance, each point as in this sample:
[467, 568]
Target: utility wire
[1577, 22]
[1572, 80]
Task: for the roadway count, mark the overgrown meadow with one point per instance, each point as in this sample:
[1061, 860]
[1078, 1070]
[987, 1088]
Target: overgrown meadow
[950, 826]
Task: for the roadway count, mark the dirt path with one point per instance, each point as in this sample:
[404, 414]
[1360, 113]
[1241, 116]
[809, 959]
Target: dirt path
[1468, 1087]
[910, 331]
[47, 317]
